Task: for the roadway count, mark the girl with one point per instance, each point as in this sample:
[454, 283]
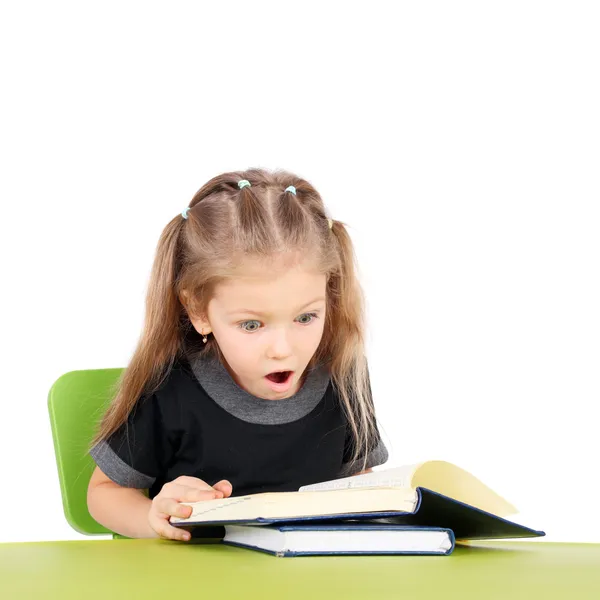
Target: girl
[250, 373]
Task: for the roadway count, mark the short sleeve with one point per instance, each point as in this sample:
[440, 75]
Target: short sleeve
[137, 452]
[377, 453]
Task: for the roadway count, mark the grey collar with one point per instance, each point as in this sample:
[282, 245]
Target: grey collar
[221, 387]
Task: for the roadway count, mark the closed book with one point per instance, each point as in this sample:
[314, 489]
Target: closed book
[311, 540]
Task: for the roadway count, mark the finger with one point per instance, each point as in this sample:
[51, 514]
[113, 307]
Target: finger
[172, 506]
[184, 493]
[168, 507]
[196, 495]
[192, 482]
[166, 531]
[225, 487]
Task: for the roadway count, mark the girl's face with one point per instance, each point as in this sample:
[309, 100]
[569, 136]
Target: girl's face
[269, 319]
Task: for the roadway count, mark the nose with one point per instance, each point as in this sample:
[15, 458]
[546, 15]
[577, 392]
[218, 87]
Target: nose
[279, 346]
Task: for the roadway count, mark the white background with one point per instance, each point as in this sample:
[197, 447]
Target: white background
[459, 141]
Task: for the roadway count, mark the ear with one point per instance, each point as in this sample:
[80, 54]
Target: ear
[200, 323]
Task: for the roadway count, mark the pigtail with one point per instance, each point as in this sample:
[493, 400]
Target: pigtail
[159, 343]
[345, 347]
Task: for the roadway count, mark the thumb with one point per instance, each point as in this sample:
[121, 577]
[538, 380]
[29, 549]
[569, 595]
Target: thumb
[225, 487]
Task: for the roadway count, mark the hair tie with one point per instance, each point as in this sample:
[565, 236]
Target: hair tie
[290, 188]
[184, 213]
[243, 183]
[330, 223]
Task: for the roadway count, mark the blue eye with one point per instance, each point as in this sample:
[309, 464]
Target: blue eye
[312, 314]
[241, 326]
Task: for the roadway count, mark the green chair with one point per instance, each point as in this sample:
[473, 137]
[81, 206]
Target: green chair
[76, 402]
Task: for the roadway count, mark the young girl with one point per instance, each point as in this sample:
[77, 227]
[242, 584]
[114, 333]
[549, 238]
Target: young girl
[250, 373]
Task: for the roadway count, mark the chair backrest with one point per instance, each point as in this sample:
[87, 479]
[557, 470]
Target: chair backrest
[76, 402]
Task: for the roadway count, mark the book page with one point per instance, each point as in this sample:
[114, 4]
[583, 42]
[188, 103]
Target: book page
[448, 479]
[300, 504]
[244, 507]
[395, 477]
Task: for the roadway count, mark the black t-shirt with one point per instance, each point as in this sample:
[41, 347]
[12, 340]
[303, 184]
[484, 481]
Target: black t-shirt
[182, 430]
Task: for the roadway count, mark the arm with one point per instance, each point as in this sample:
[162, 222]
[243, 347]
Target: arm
[120, 509]
[123, 507]
[128, 512]
[124, 469]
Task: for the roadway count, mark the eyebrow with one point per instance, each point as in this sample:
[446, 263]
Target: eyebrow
[255, 312]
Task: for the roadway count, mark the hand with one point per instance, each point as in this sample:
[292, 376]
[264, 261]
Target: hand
[166, 503]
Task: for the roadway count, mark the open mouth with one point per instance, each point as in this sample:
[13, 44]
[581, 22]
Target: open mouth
[279, 376]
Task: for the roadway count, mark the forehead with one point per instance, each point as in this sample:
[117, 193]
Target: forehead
[274, 284]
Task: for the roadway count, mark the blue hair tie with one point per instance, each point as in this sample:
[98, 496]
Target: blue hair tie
[243, 183]
[184, 213]
[291, 188]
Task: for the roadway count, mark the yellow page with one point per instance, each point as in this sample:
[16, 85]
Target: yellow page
[437, 475]
[301, 504]
[450, 480]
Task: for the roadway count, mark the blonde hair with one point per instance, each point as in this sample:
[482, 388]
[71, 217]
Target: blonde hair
[225, 224]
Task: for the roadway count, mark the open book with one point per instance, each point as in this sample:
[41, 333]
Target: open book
[432, 494]
[437, 475]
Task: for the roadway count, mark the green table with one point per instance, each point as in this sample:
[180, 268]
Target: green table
[112, 569]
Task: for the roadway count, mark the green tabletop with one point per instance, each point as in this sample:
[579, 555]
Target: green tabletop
[109, 569]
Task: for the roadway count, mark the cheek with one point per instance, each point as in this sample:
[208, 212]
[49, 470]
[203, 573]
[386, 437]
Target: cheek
[230, 340]
[321, 324]
[312, 341]
[234, 344]
[318, 339]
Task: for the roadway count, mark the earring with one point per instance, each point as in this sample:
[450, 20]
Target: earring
[204, 338]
